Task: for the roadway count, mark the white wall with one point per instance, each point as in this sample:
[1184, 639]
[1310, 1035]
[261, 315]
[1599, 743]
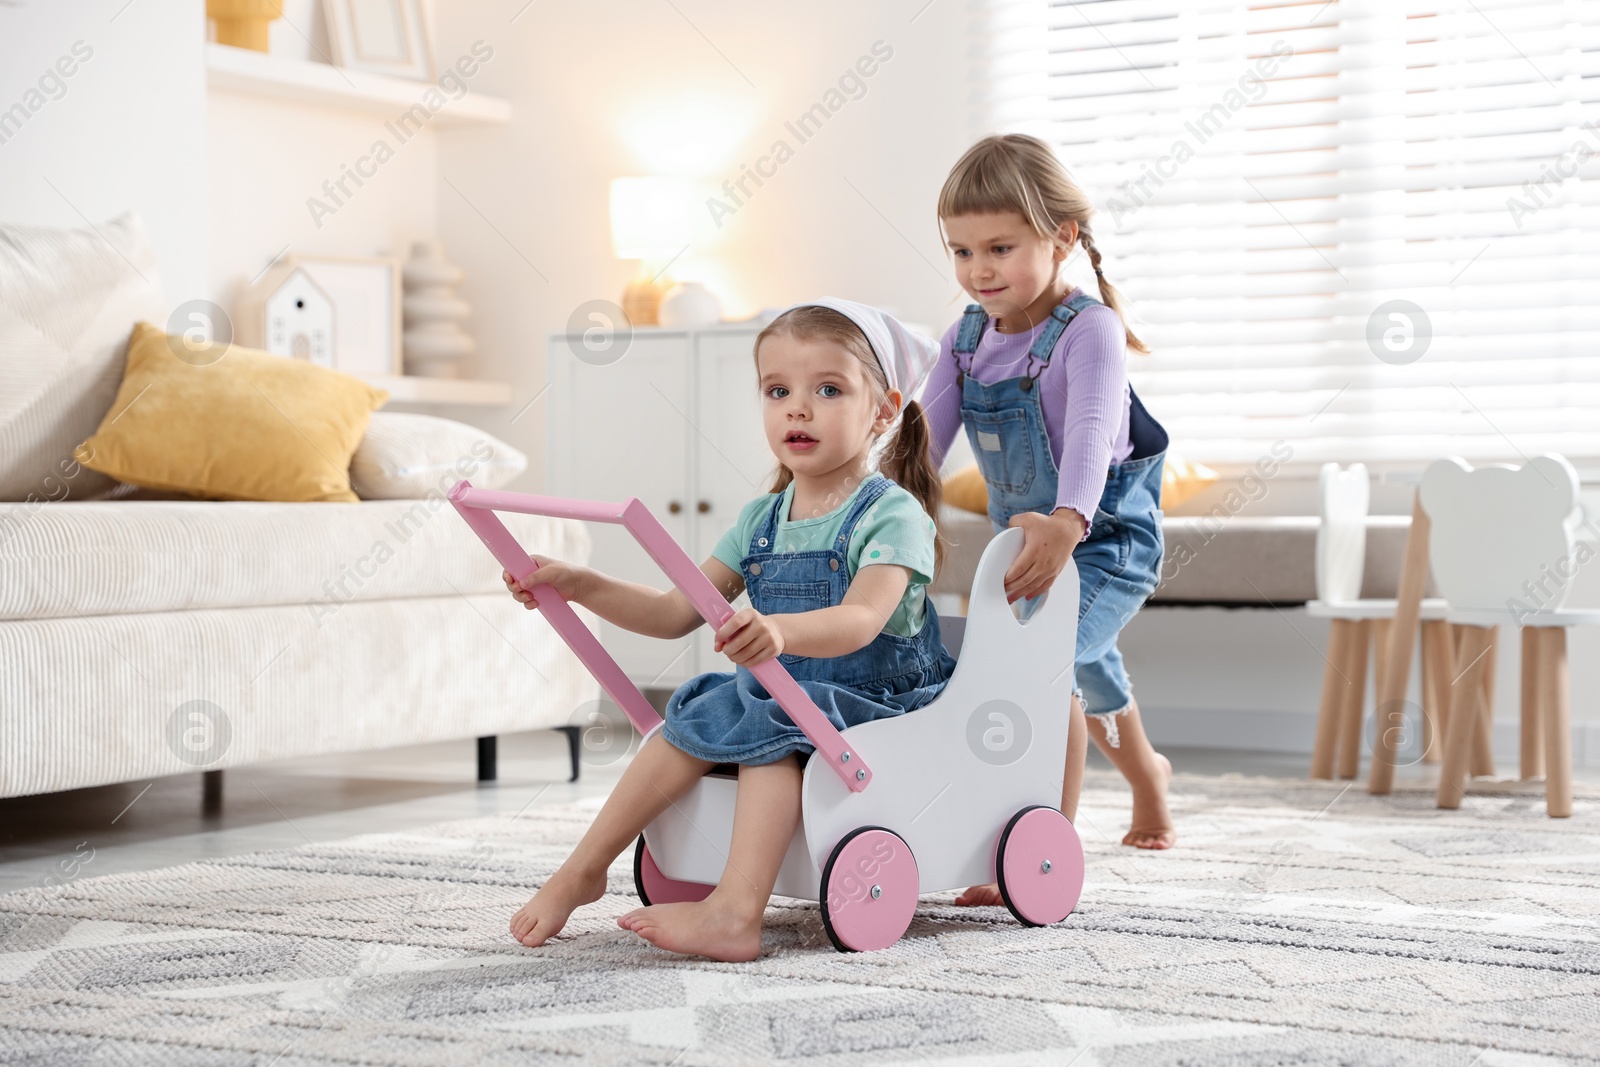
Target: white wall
[267, 157]
[127, 131]
[597, 92]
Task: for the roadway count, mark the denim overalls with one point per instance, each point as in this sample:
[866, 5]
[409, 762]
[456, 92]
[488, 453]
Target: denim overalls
[731, 718]
[1120, 560]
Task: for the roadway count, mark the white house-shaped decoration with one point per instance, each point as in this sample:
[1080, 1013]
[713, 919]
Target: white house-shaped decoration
[294, 316]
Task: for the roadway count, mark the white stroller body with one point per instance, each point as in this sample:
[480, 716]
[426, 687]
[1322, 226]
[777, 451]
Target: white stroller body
[963, 791]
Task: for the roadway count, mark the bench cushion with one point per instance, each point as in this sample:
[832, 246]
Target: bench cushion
[1244, 561]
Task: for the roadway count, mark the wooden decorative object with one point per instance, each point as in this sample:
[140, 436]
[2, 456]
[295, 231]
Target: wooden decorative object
[244, 23]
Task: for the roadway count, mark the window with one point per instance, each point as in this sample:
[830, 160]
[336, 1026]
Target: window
[1364, 227]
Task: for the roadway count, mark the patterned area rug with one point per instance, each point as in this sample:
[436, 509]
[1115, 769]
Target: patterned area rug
[1296, 923]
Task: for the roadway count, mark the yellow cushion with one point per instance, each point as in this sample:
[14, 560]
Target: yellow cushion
[965, 489]
[230, 423]
[1180, 480]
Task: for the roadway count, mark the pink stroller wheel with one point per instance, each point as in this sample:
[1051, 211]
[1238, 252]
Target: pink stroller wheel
[1039, 865]
[654, 887]
[869, 890]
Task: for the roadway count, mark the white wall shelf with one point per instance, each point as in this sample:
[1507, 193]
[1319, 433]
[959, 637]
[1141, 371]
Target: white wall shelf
[243, 71]
[409, 389]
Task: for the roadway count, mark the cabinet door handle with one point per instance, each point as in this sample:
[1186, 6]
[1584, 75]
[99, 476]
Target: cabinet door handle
[703, 506]
[674, 507]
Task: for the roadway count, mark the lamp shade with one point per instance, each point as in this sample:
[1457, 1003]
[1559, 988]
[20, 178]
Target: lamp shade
[650, 216]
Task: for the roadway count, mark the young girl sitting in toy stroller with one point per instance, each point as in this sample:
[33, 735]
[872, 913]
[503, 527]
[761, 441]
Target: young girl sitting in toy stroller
[836, 559]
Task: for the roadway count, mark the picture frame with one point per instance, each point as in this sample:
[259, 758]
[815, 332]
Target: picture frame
[366, 297]
[391, 37]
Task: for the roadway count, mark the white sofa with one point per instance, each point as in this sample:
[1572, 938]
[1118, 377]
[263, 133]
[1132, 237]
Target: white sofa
[117, 616]
[145, 637]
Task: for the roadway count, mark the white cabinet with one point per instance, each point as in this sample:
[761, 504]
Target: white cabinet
[676, 422]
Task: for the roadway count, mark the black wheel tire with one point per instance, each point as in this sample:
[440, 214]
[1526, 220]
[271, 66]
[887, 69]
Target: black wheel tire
[827, 876]
[999, 862]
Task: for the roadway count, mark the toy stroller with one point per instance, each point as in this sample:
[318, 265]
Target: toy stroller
[960, 792]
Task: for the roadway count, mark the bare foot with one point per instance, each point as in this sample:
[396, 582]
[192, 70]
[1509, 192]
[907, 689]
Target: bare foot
[543, 916]
[1152, 822]
[706, 928]
[981, 896]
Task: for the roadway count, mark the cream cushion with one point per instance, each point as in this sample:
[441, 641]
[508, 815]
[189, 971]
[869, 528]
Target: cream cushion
[127, 557]
[406, 456]
[68, 299]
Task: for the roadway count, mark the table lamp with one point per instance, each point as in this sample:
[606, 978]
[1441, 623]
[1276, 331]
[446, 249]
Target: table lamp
[650, 222]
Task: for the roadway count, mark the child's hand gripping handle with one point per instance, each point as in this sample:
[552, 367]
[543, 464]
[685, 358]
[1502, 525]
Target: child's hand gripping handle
[715, 609]
[477, 507]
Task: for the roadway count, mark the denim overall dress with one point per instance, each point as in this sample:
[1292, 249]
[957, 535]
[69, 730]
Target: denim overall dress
[731, 718]
[1119, 561]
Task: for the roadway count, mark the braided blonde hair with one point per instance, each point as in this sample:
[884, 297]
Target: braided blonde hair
[1016, 173]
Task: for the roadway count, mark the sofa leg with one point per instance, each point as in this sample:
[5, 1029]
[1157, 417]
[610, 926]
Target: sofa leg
[211, 792]
[574, 739]
[487, 769]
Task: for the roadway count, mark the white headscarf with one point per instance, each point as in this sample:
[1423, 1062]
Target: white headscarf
[905, 355]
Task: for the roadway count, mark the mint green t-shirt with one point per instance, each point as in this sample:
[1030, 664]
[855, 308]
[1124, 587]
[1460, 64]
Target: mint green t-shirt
[894, 529]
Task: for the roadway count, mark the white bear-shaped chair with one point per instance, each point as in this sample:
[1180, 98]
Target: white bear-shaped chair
[1505, 550]
[1356, 624]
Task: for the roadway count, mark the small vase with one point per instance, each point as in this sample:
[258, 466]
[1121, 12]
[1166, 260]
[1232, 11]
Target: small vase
[244, 23]
[690, 304]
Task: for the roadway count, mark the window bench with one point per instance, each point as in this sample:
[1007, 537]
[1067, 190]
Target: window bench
[1239, 562]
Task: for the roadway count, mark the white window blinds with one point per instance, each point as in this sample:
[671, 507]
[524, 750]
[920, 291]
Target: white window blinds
[1365, 227]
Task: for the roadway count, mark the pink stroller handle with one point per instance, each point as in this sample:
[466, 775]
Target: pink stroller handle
[478, 507]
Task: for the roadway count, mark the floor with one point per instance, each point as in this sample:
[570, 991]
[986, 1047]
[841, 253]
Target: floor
[144, 825]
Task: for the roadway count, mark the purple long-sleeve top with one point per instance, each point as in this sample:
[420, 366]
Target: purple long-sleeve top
[1083, 391]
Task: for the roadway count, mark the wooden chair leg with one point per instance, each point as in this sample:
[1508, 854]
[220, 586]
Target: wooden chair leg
[1555, 695]
[1355, 701]
[1392, 683]
[1435, 687]
[1466, 700]
[1381, 657]
[1531, 750]
[1483, 737]
[1334, 674]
